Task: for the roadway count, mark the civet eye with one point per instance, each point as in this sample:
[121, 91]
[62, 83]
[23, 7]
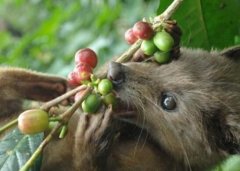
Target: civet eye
[168, 102]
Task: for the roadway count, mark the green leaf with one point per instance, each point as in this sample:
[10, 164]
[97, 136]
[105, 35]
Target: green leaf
[207, 24]
[16, 148]
[232, 164]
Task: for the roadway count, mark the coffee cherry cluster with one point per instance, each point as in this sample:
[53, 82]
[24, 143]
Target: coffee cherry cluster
[102, 94]
[157, 44]
[86, 61]
[37, 120]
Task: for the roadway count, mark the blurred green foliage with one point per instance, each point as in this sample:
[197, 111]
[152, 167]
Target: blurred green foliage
[44, 35]
[208, 23]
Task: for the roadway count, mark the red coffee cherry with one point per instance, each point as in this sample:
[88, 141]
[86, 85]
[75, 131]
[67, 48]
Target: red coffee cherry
[72, 79]
[130, 37]
[82, 76]
[83, 67]
[87, 56]
[76, 78]
[143, 30]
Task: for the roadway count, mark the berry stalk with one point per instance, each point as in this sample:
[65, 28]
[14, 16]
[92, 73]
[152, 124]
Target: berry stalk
[65, 117]
[166, 15]
[47, 105]
[59, 99]
[8, 125]
[40, 148]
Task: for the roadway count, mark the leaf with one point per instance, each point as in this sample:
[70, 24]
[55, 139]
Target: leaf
[232, 164]
[16, 148]
[207, 24]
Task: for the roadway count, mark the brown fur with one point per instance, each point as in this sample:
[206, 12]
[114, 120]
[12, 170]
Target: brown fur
[204, 128]
[202, 131]
[118, 147]
[72, 153]
[17, 84]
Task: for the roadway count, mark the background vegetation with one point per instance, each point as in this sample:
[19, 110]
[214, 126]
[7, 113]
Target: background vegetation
[44, 35]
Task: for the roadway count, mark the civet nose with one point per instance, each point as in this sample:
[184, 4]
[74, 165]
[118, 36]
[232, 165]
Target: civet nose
[115, 73]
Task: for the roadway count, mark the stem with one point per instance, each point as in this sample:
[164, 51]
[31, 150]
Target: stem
[39, 150]
[65, 117]
[53, 119]
[128, 54]
[169, 11]
[47, 105]
[63, 132]
[59, 99]
[8, 125]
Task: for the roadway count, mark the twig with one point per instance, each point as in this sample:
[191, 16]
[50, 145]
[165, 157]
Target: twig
[59, 99]
[166, 15]
[47, 105]
[65, 117]
[8, 125]
[63, 132]
[54, 119]
[39, 150]
[128, 54]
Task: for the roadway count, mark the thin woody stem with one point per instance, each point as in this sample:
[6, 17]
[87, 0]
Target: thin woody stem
[8, 125]
[65, 117]
[59, 99]
[166, 15]
[47, 105]
[40, 148]
[125, 57]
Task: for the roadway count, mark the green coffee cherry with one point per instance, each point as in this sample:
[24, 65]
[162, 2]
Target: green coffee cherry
[105, 86]
[162, 57]
[163, 41]
[33, 121]
[92, 103]
[148, 47]
[110, 99]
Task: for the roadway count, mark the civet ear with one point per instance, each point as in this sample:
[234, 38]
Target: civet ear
[232, 52]
[25, 84]
[17, 84]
